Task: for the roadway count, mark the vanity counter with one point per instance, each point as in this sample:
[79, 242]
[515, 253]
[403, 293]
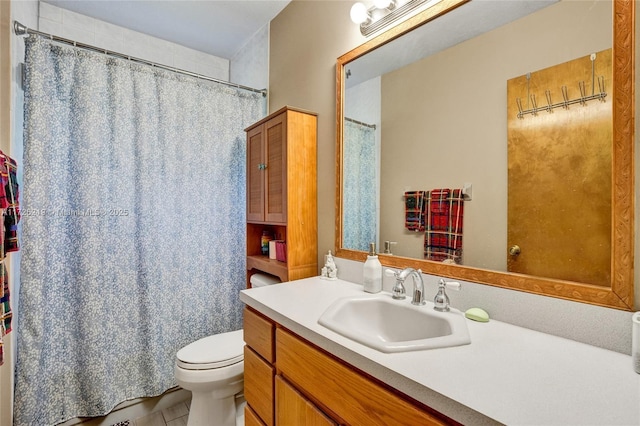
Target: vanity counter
[508, 374]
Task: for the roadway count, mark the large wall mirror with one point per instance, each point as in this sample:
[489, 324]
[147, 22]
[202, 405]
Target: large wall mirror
[448, 99]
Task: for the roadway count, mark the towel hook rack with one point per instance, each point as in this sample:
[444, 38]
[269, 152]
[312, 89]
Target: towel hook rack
[582, 100]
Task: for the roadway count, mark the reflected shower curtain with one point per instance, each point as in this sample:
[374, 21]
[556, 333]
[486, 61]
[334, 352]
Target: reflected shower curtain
[133, 227]
[360, 194]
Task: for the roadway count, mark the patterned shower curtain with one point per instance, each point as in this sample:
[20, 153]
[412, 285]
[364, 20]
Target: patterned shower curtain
[133, 227]
[360, 193]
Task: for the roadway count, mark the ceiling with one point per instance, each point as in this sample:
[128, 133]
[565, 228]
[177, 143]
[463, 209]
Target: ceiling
[217, 27]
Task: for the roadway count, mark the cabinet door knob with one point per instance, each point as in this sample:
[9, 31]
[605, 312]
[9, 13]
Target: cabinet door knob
[262, 166]
[514, 250]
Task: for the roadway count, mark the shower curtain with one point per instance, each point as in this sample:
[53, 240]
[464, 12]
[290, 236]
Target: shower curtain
[360, 193]
[133, 227]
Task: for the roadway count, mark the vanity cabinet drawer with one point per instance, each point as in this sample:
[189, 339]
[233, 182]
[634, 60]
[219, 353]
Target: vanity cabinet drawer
[258, 333]
[352, 397]
[293, 409]
[251, 418]
[258, 385]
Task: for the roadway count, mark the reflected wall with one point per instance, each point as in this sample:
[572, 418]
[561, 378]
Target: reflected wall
[443, 121]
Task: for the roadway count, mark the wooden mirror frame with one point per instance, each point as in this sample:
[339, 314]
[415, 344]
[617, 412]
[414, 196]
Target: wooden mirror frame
[619, 294]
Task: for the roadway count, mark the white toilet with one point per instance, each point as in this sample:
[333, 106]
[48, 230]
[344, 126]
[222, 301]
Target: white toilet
[212, 368]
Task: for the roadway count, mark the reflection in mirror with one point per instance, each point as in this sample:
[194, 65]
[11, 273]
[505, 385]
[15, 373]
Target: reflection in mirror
[441, 121]
[361, 184]
[559, 171]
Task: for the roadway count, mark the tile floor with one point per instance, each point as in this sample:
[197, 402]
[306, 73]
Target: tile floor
[172, 416]
[178, 415]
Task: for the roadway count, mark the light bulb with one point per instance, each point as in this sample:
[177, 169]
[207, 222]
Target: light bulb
[359, 13]
[382, 4]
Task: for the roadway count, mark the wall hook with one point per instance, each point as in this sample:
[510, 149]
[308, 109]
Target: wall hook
[565, 97]
[583, 93]
[547, 93]
[467, 191]
[601, 88]
[534, 104]
[519, 102]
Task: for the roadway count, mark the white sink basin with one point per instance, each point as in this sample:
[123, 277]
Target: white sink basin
[389, 325]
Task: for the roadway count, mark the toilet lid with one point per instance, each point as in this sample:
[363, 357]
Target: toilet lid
[217, 351]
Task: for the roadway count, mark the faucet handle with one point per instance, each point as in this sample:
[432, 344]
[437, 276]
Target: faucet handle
[398, 291]
[441, 301]
[387, 246]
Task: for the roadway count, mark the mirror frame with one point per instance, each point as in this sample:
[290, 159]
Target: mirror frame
[619, 294]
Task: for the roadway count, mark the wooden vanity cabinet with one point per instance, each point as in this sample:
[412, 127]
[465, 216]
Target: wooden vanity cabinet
[259, 371]
[282, 192]
[292, 408]
[251, 418]
[350, 396]
[304, 385]
[259, 385]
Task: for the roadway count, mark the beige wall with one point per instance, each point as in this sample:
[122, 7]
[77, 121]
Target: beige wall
[306, 39]
[465, 140]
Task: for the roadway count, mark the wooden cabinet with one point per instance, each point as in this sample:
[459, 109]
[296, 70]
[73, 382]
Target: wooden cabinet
[259, 373]
[304, 385]
[251, 418]
[282, 192]
[293, 409]
[267, 171]
[351, 397]
[258, 385]
[259, 334]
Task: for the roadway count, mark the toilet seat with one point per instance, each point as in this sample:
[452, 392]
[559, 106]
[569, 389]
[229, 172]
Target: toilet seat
[217, 351]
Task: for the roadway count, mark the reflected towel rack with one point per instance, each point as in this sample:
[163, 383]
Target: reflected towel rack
[466, 190]
[373, 126]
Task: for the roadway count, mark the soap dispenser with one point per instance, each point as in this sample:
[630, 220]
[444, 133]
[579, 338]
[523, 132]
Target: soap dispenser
[372, 271]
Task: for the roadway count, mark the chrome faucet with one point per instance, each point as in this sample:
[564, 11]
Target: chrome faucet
[398, 290]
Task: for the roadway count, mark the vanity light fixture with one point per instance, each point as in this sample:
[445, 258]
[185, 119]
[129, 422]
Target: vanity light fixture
[383, 13]
[384, 4]
[359, 14]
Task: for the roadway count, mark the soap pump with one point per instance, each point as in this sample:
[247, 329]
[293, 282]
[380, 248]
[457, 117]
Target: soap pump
[372, 271]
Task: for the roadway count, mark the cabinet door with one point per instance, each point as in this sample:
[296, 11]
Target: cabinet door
[258, 333]
[255, 175]
[251, 418]
[275, 152]
[293, 409]
[258, 385]
[350, 395]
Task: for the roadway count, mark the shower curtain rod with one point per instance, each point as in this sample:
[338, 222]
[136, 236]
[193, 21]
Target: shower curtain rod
[373, 126]
[20, 29]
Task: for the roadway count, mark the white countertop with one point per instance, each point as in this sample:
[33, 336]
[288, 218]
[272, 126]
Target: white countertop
[508, 374]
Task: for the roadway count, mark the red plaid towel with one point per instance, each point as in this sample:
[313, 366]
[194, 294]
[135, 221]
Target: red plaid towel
[443, 236]
[8, 238]
[9, 200]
